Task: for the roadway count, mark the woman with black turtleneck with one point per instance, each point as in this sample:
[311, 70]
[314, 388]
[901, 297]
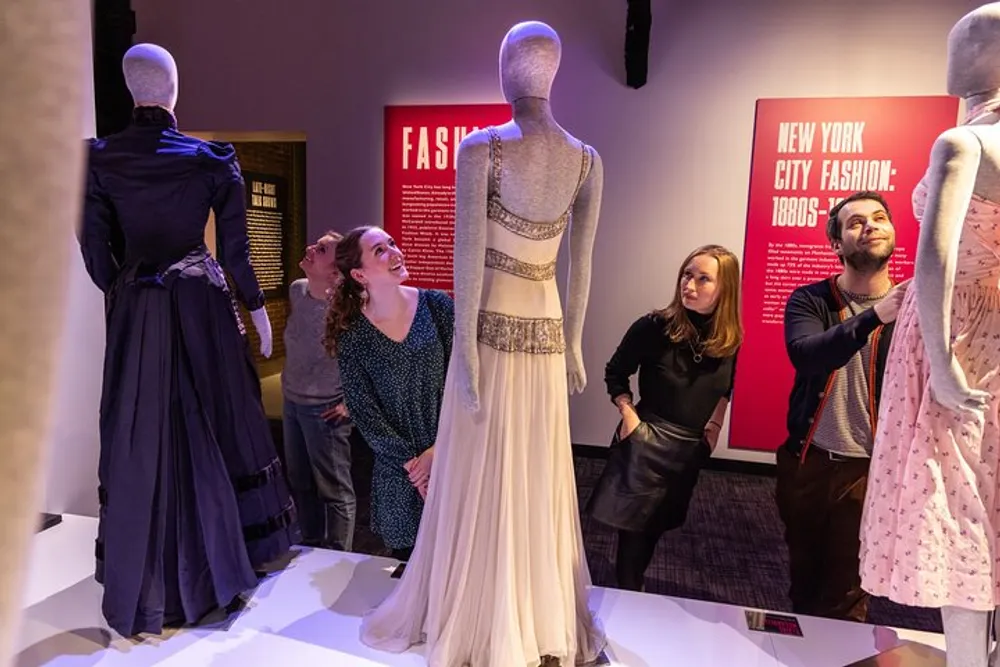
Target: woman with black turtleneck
[686, 356]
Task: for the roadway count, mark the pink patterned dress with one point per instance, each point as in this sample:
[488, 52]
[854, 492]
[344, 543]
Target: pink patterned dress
[931, 526]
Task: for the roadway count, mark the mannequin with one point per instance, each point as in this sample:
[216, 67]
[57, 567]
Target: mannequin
[529, 59]
[43, 84]
[151, 78]
[192, 496]
[931, 505]
[498, 576]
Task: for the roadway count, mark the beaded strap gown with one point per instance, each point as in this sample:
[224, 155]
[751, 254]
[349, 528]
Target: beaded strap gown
[498, 577]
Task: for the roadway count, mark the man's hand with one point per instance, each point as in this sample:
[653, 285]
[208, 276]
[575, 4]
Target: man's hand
[888, 308]
[339, 411]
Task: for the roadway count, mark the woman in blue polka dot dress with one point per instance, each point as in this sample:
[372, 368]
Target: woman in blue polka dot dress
[392, 343]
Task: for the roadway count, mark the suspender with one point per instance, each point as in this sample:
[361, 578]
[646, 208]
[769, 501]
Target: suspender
[872, 369]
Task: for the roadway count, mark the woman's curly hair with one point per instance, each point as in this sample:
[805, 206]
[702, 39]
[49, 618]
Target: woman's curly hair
[348, 297]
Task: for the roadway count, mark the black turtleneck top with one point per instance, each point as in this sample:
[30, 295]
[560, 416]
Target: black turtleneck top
[673, 387]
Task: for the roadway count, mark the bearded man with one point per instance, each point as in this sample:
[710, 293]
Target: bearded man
[837, 334]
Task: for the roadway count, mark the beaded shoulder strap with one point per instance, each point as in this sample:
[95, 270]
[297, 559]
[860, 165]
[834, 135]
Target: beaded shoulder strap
[496, 159]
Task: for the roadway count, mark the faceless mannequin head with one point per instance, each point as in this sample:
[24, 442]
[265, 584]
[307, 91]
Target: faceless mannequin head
[529, 59]
[151, 76]
[974, 53]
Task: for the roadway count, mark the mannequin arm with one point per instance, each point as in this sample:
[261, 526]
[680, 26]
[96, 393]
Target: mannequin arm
[97, 233]
[586, 210]
[951, 179]
[229, 204]
[471, 178]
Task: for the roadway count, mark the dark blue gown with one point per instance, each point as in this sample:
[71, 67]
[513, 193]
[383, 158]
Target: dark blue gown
[192, 497]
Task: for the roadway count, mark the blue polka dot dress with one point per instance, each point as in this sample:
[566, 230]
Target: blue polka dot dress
[393, 392]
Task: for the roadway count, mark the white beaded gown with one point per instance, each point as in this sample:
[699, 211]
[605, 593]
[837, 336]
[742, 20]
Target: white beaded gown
[498, 575]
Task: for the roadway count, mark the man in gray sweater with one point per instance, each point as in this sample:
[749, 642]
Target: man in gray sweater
[316, 425]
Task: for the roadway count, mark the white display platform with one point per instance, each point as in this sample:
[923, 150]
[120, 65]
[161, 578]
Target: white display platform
[309, 614]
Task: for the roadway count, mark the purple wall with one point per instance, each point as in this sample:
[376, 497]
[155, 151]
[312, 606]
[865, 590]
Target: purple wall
[676, 153]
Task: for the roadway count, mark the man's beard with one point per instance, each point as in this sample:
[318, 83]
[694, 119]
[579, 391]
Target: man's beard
[866, 261]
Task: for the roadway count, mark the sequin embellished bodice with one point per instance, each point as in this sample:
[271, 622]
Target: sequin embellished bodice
[979, 244]
[525, 252]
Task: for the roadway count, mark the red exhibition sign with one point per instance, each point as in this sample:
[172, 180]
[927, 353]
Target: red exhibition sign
[807, 155]
[421, 146]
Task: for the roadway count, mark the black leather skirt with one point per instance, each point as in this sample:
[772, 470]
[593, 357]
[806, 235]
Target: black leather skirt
[650, 476]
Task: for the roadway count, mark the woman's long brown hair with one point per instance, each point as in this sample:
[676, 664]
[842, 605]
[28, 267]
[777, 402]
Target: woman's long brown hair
[726, 333]
[346, 300]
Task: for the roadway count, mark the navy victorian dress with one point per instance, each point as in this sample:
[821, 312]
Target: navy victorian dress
[192, 497]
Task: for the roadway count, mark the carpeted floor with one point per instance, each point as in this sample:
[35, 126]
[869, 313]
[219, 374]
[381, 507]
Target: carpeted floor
[730, 550]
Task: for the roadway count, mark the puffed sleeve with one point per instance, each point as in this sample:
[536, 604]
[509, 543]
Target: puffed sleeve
[229, 205]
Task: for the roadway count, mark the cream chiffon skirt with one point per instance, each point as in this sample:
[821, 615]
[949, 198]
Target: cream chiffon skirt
[498, 576]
